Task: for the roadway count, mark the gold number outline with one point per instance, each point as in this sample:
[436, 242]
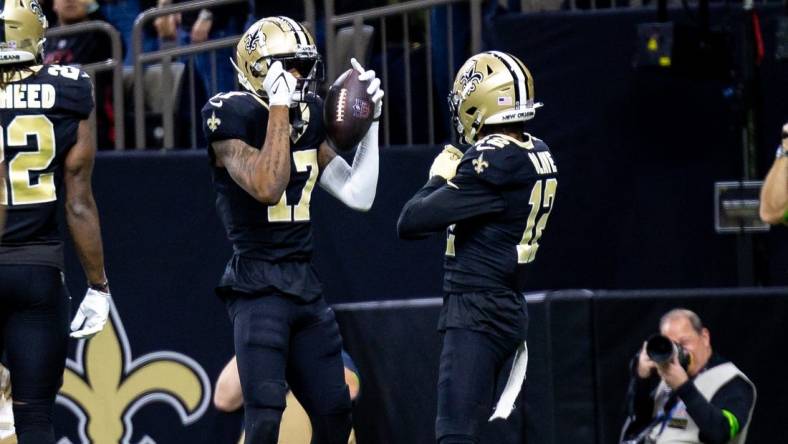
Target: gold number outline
[304, 161]
[450, 252]
[529, 244]
[19, 168]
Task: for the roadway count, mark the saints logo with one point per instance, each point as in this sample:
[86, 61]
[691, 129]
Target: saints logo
[479, 165]
[36, 8]
[253, 40]
[105, 387]
[470, 79]
[214, 122]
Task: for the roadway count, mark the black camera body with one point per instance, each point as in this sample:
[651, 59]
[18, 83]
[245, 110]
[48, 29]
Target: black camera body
[661, 350]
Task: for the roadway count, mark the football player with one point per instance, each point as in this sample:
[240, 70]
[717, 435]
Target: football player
[495, 200]
[268, 152]
[46, 143]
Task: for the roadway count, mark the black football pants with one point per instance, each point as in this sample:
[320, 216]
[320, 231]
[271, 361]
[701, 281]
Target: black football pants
[469, 366]
[282, 343]
[34, 318]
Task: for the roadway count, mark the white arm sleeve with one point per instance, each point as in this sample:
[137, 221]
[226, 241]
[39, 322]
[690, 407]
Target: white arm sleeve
[356, 186]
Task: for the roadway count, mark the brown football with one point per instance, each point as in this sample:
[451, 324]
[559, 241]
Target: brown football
[347, 111]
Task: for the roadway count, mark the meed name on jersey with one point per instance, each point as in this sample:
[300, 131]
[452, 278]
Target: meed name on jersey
[25, 96]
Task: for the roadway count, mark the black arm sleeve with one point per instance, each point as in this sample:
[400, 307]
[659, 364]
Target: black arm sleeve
[642, 405]
[439, 204]
[736, 397]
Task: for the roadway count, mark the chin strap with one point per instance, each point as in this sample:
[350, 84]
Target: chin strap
[356, 186]
[243, 81]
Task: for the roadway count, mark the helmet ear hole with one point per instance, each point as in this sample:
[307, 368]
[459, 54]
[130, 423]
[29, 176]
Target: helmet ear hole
[471, 111]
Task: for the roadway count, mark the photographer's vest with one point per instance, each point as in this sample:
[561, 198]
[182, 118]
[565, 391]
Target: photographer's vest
[679, 427]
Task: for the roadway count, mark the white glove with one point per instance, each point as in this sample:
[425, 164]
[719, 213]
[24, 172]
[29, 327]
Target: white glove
[374, 86]
[93, 312]
[279, 85]
[445, 163]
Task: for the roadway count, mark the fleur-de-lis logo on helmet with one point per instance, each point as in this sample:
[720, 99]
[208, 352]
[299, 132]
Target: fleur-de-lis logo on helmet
[253, 40]
[36, 8]
[104, 387]
[491, 88]
[470, 80]
[280, 39]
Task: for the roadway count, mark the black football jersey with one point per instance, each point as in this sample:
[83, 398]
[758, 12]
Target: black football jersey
[39, 116]
[261, 234]
[496, 208]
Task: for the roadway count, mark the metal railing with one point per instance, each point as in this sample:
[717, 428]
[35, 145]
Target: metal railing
[332, 24]
[115, 64]
[357, 19]
[165, 56]
[572, 5]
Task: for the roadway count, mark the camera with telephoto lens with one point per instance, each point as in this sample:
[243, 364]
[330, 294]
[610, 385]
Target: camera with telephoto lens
[661, 350]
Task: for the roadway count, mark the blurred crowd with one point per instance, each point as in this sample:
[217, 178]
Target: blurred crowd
[197, 26]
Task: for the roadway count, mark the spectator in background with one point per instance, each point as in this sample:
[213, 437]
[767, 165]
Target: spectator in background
[295, 427]
[774, 194]
[710, 401]
[266, 8]
[293, 9]
[198, 27]
[460, 16]
[82, 49]
[121, 14]
[211, 24]
[167, 27]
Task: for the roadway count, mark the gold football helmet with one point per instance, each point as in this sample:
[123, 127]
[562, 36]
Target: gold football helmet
[23, 24]
[278, 39]
[491, 88]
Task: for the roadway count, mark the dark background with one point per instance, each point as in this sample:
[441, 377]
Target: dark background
[638, 153]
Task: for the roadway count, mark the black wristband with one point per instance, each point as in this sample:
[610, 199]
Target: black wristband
[102, 287]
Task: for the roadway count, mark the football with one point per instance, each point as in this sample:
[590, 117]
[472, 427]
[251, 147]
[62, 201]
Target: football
[347, 111]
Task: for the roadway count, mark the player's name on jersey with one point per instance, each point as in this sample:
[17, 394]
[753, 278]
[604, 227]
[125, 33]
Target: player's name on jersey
[543, 162]
[27, 96]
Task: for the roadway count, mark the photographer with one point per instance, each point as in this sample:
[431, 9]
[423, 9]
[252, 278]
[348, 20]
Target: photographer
[705, 400]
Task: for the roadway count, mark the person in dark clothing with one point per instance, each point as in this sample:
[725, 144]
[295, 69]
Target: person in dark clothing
[82, 49]
[494, 200]
[268, 151]
[47, 146]
[710, 402]
[211, 24]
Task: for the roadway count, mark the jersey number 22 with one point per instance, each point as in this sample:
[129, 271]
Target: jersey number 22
[21, 167]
